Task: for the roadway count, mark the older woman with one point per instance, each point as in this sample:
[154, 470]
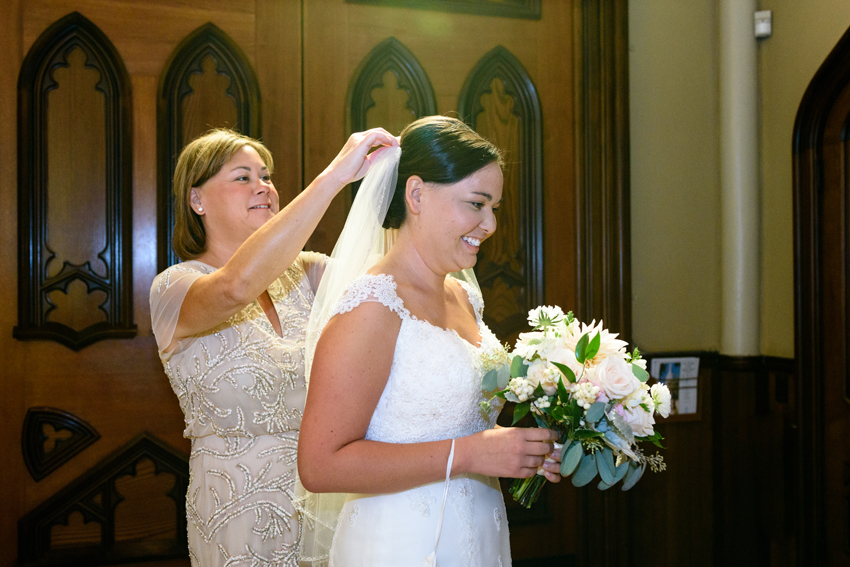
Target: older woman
[229, 323]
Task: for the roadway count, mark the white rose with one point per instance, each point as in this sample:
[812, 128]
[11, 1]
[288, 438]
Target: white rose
[661, 399]
[542, 373]
[640, 420]
[615, 377]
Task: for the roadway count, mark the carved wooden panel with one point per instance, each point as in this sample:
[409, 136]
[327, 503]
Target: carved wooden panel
[51, 437]
[207, 83]
[390, 89]
[508, 8]
[129, 507]
[500, 102]
[74, 188]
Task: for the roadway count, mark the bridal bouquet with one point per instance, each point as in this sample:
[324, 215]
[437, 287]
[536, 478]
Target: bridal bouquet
[579, 380]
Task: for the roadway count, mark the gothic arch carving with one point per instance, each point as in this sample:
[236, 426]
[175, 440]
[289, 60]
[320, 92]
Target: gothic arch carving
[500, 102]
[44, 453]
[389, 55]
[210, 67]
[75, 259]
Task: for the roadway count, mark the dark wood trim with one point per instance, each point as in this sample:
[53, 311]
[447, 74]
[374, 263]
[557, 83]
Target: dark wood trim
[502, 64]
[528, 9]
[206, 41]
[48, 53]
[40, 464]
[94, 496]
[602, 164]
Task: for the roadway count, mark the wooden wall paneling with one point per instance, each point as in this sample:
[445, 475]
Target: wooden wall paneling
[278, 66]
[510, 8]
[499, 100]
[51, 437]
[12, 406]
[75, 223]
[207, 83]
[128, 508]
[820, 158]
[602, 221]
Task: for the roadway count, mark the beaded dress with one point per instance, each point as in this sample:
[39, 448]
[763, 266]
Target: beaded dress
[432, 394]
[241, 388]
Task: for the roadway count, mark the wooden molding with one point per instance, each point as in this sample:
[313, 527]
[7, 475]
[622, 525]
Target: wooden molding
[813, 114]
[94, 495]
[529, 9]
[49, 53]
[40, 463]
[602, 164]
[501, 64]
[186, 60]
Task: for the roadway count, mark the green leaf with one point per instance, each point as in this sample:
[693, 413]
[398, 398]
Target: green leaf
[581, 349]
[605, 463]
[518, 367]
[557, 412]
[520, 410]
[563, 395]
[655, 439]
[566, 371]
[620, 472]
[633, 475]
[503, 376]
[511, 397]
[571, 458]
[502, 394]
[593, 347]
[538, 392]
[595, 412]
[586, 470]
[490, 382]
[603, 486]
[587, 434]
[640, 373]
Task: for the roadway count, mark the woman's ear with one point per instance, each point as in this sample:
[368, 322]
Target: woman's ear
[413, 193]
[195, 201]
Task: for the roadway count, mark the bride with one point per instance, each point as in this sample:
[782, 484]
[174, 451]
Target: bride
[392, 415]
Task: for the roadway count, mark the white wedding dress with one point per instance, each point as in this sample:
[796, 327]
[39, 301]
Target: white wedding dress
[432, 393]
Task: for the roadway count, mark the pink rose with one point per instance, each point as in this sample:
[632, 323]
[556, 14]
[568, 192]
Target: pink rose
[640, 420]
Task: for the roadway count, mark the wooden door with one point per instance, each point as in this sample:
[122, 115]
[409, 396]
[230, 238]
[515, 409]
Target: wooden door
[822, 242]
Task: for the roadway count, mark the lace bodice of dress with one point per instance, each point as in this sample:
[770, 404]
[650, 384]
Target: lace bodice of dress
[434, 385]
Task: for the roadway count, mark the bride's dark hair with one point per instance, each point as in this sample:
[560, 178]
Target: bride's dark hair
[440, 150]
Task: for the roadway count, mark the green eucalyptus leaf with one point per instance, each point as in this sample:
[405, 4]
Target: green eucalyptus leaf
[620, 472]
[595, 412]
[603, 486]
[503, 376]
[581, 349]
[593, 346]
[490, 382]
[586, 470]
[605, 462]
[518, 367]
[640, 373]
[571, 458]
[567, 372]
[520, 410]
[511, 397]
[633, 475]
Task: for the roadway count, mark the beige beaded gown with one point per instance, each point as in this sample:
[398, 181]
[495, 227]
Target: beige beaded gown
[241, 388]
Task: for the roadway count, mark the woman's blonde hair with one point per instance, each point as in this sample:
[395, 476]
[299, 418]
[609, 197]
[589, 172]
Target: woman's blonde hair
[200, 160]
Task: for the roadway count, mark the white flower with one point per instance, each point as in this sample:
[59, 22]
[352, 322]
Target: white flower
[616, 378]
[585, 394]
[542, 373]
[545, 316]
[640, 420]
[661, 399]
[638, 397]
[640, 362]
[567, 357]
[609, 344]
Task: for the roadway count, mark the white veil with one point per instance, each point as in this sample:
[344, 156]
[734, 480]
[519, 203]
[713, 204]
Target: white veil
[361, 244]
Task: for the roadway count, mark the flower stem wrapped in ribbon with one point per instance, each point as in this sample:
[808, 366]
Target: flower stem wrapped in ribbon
[581, 381]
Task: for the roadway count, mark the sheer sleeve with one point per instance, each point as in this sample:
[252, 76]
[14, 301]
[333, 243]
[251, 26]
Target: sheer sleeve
[168, 291]
[314, 265]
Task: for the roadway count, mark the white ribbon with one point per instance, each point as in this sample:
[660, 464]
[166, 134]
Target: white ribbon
[431, 559]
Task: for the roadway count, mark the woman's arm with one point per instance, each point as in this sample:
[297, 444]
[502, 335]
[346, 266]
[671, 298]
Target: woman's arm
[349, 372]
[267, 253]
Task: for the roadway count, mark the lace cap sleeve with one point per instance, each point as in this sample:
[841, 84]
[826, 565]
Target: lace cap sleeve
[380, 288]
[168, 291]
[475, 298]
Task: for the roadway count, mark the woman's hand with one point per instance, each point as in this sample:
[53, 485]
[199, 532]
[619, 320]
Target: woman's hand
[551, 468]
[354, 159]
[510, 452]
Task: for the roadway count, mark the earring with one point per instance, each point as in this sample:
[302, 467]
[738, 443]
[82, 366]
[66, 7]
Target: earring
[200, 209]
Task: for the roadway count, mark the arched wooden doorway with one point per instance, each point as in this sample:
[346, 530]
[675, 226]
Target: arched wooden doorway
[822, 312]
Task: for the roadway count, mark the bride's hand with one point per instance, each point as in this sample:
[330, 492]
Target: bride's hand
[354, 159]
[510, 452]
[551, 467]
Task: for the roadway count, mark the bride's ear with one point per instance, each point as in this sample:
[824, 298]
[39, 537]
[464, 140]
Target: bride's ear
[413, 193]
